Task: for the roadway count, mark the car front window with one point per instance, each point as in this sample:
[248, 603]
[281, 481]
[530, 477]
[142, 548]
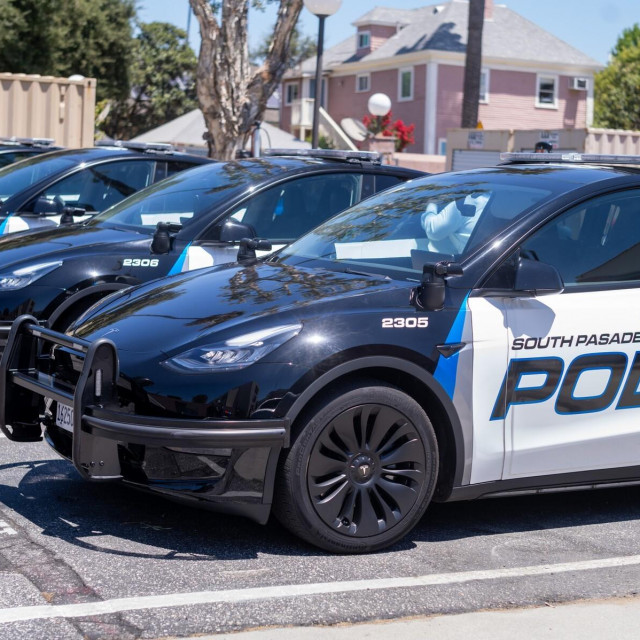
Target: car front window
[445, 217]
[16, 177]
[186, 196]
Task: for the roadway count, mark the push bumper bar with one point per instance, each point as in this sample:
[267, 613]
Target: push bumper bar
[26, 379]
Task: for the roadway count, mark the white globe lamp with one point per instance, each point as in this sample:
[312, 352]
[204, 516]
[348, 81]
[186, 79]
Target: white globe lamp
[379, 104]
[322, 7]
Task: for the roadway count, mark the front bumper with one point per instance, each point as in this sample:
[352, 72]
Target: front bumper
[237, 459]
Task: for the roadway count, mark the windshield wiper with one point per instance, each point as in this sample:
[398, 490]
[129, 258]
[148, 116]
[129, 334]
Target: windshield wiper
[366, 273]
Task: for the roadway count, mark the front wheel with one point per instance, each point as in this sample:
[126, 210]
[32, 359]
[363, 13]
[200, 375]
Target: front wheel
[361, 471]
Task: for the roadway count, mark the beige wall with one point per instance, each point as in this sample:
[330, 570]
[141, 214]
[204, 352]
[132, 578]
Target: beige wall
[33, 106]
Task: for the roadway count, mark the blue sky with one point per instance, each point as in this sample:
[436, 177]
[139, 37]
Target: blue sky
[592, 26]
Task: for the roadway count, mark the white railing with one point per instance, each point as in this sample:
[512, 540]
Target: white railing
[302, 112]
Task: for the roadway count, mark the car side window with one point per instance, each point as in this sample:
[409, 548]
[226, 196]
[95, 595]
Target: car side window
[597, 242]
[287, 211]
[386, 182]
[97, 188]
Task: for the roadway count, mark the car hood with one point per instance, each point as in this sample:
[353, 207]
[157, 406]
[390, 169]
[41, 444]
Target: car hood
[222, 302]
[19, 248]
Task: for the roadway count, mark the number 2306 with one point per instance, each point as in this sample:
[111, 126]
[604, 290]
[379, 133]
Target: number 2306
[405, 323]
[140, 262]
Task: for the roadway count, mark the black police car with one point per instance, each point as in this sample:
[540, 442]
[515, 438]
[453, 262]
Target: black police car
[461, 335]
[14, 148]
[73, 184]
[192, 220]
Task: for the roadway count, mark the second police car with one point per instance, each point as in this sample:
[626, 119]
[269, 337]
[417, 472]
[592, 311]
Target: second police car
[462, 335]
[188, 221]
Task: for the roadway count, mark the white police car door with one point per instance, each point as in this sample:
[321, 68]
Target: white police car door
[569, 399]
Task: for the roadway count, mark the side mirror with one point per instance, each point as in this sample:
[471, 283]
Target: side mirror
[537, 278]
[233, 231]
[48, 207]
[163, 237]
[430, 294]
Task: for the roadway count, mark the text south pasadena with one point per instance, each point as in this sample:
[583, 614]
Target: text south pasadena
[580, 340]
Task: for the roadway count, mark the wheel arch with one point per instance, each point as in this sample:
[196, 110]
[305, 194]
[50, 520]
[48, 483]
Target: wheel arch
[94, 291]
[420, 385]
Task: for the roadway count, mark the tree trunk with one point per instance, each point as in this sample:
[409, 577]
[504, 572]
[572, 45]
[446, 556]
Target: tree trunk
[231, 96]
[473, 65]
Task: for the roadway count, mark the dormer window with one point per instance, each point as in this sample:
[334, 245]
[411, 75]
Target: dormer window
[364, 39]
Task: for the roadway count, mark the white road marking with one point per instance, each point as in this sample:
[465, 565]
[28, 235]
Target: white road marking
[41, 612]
[6, 530]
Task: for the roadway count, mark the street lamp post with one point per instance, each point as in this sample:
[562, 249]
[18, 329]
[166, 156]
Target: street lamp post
[323, 9]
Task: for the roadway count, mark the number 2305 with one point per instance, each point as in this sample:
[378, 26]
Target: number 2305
[405, 323]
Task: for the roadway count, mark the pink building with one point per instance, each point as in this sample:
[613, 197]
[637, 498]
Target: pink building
[530, 78]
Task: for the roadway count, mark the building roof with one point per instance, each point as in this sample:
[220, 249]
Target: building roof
[443, 27]
[385, 16]
[188, 129]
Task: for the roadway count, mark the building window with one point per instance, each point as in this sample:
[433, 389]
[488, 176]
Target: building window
[364, 39]
[312, 91]
[363, 83]
[484, 86]
[442, 146]
[405, 84]
[547, 92]
[291, 92]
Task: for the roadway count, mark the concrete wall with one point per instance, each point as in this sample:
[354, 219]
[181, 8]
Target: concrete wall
[35, 106]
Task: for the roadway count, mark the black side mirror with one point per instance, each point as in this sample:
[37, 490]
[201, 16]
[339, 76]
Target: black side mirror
[537, 278]
[163, 237]
[47, 207]
[234, 231]
[430, 294]
[249, 246]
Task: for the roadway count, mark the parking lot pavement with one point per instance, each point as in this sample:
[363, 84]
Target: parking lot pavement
[617, 618]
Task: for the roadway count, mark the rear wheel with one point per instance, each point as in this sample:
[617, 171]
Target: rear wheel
[361, 472]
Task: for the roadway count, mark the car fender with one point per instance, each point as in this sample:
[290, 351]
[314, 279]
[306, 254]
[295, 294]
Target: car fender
[89, 291]
[365, 365]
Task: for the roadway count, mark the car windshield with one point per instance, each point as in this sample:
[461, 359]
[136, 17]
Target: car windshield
[186, 196]
[16, 177]
[440, 217]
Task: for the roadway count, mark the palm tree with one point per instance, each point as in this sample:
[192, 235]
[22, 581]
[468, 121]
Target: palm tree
[473, 65]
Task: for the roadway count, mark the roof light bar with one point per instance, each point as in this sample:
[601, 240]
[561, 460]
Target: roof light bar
[28, 142]
[571, 157]
[330, 154]
[137, 146]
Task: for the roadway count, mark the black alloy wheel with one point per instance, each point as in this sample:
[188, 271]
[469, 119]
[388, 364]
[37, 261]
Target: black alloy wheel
[361, 472]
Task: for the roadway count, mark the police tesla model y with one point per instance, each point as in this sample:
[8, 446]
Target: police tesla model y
[71, 185]
[194, 219]
[14, 149]
[461, 335]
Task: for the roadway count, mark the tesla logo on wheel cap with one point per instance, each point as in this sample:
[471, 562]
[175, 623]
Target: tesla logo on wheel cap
[363, 470]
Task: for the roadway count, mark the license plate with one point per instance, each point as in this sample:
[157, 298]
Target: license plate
[64, 417]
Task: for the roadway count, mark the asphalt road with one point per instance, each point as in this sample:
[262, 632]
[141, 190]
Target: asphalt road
[103, 561]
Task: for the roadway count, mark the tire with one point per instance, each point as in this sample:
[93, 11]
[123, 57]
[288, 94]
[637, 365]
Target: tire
[361, 471]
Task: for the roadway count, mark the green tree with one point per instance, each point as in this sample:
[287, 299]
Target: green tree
[162, 74]
[617, 87]
[88, 37]
[300, 48]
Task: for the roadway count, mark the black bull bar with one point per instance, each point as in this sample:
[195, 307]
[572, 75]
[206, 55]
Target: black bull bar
[97, 425]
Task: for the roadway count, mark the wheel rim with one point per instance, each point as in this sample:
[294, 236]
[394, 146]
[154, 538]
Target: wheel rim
[366, 470]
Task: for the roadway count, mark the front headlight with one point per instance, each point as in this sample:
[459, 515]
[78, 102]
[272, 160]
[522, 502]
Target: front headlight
[235, 353]
[23, 277]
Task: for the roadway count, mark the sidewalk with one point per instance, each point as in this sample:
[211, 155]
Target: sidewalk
[617, 619]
